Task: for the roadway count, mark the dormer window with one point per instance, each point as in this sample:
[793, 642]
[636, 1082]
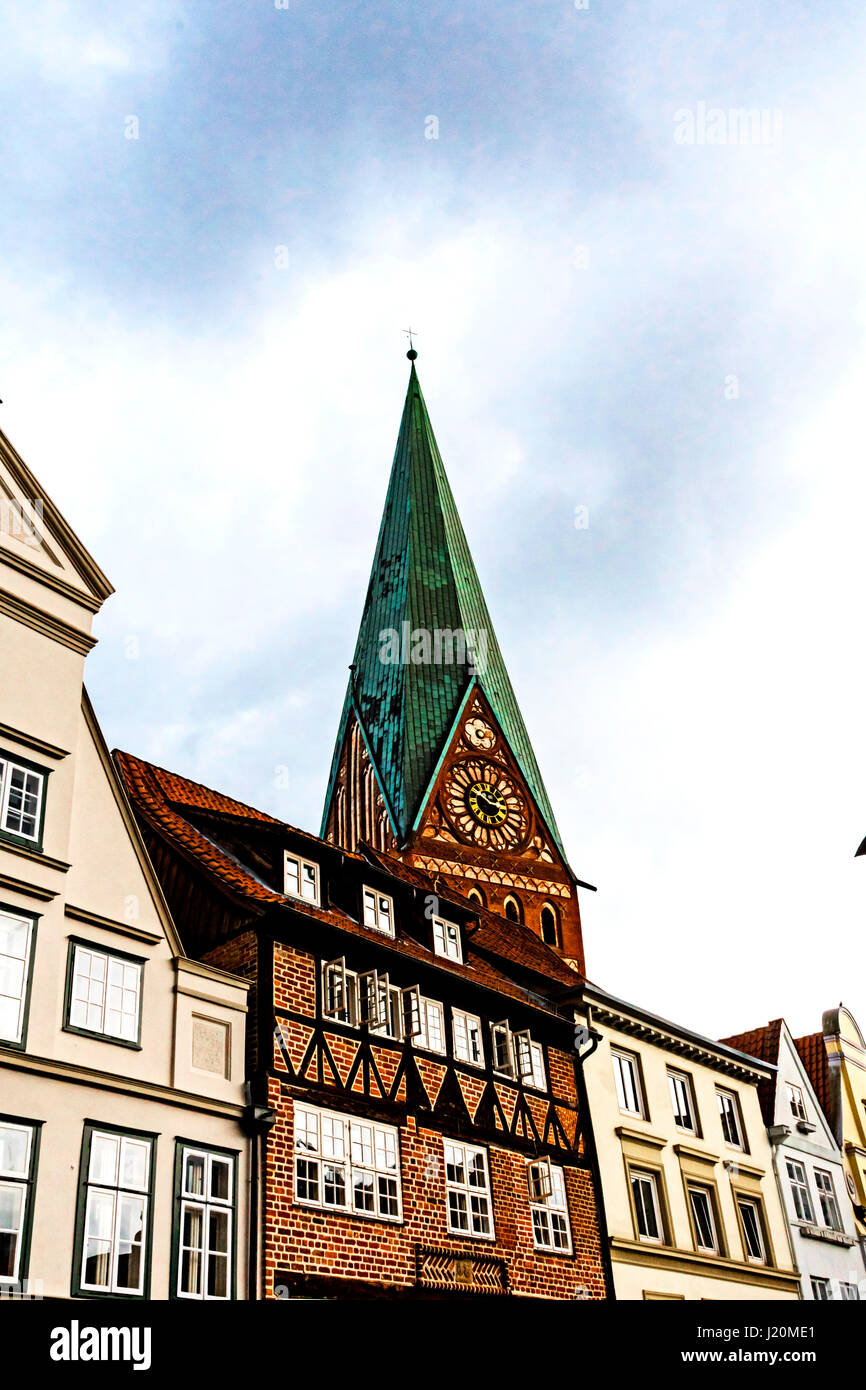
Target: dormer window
[378, 911]
[446, 939]
[301, 879]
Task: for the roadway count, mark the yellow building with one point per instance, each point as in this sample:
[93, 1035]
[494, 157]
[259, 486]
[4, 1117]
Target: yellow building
[690, 1196]
[835, 1059]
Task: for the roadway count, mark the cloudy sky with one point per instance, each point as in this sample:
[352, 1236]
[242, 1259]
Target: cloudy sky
[633, 310]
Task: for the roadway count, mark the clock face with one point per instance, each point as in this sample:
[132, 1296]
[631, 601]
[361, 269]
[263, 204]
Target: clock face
[484, 805]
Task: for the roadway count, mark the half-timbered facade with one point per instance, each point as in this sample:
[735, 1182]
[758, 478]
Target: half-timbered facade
[412, 1066]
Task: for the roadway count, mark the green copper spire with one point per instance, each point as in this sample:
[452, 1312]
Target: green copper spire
[423, 579]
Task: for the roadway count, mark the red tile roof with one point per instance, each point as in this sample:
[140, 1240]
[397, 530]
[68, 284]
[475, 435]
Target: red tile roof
[762, 1043]
[162, 797]
[512, 941]
[813, 1054]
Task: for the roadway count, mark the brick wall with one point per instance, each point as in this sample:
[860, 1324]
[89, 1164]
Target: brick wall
[306, 1243]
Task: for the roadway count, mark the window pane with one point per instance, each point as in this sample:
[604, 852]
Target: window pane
[11, 1219]
[99, 1234]
[133, 1168]
[129, 1242]
[703, 1217]
[14, 1151]
[221, 1180]
[104, 1157]
[218, 1276]
[193, 1174]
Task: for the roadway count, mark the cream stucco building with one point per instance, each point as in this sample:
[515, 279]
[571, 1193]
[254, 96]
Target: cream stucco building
[124, 1154]
[690, 1197]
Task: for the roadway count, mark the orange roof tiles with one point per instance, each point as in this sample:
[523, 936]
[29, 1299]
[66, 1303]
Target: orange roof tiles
[813, 1054]
[161, 797]
[762, 1043]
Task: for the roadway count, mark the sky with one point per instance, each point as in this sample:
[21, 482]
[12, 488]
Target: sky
[640, 324]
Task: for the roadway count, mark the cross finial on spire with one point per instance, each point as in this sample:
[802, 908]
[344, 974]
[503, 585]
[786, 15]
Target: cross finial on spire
[411, 334]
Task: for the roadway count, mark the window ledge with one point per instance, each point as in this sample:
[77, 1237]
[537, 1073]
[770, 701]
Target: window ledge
[641, 1136]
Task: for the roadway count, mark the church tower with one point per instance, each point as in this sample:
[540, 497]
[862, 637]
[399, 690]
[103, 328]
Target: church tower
[433, 763]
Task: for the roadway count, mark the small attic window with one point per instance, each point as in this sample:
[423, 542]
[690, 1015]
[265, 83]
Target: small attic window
[378, 911]
[446, 940]
[301, 879]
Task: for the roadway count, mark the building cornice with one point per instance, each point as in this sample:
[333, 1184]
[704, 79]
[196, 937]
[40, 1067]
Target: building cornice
[124, 1085]
[658, 1032]
[36, 745]
[59, 631]
[709, 1266]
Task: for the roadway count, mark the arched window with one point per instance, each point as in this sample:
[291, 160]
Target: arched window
[476, 896]
[549, 925]
[512, 909]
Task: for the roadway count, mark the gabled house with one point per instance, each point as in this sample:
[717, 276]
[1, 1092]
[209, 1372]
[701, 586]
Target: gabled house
[809, 1167]
[835, 1059]
[414, 1076]
[123, 1146]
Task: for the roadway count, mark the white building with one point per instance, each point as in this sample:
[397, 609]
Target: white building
[124, 1153]
[809, 1169]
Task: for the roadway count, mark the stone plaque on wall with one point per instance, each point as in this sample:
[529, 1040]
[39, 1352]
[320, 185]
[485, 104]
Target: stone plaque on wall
[210, 1045]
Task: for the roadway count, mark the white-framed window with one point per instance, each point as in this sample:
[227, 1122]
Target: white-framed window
[346, 1164]
[16, 1161]
[517, 1055]
[800, 1190]
[796, 1102]
[549, 1207]
[731, 1118]
[446, 939]
[432, 1035]
[116, 1213]
[105, 994]
[205, 1224]
[849, 1292]
[704, 1218]
[647, 1206]
[378, 911]
[627, 1079]
[821, 1289]
[827, 1199]
[683, 1101]
[301, 878]
[21, 794]
[16, 945]
[754, 1241]
[468, 1046]
[369, 998]
[467, 1187]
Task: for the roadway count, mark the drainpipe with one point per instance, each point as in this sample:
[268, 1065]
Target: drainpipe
[584, 1034]
[777, 1134]
[258, 1120]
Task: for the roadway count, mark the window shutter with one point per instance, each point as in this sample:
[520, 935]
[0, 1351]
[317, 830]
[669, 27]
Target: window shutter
[334, 1001]
[411, 1011]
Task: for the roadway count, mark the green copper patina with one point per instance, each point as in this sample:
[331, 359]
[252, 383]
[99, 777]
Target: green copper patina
[423, 581]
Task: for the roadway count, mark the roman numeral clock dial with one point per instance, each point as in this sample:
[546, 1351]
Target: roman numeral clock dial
[484, 806]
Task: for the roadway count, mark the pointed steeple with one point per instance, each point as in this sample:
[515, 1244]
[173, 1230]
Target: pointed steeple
[423, 581]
